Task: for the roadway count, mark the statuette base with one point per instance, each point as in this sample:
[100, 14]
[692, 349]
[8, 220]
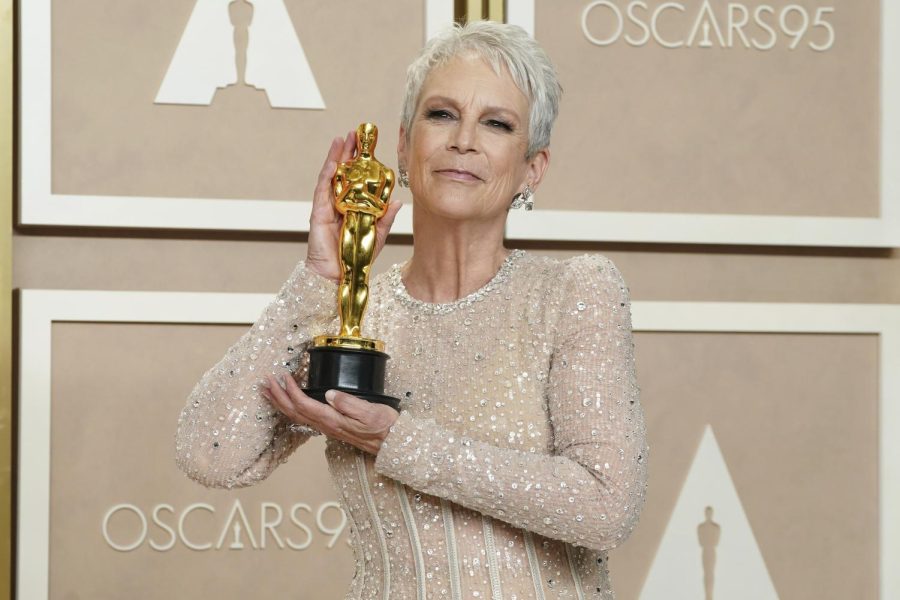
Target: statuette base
[359, 372]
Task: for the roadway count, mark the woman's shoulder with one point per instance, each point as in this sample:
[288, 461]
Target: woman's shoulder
[563, 273]
[576, 287]
[573, 295]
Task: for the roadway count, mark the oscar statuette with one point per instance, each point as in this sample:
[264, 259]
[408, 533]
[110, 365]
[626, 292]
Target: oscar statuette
[348, 361]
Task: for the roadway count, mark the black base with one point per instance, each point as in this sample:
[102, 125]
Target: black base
[357, 372]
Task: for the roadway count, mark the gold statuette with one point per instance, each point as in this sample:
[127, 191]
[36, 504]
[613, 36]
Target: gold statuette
[348, 361]
[362, 189]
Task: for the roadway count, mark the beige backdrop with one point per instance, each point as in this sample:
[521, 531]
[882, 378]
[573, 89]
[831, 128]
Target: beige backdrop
[713, 130]
[109, 138]
[777, 132]
[690, 130]
[796, 416]
[117, 392]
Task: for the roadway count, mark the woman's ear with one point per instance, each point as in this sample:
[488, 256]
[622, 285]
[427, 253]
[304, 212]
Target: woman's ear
[537, 166]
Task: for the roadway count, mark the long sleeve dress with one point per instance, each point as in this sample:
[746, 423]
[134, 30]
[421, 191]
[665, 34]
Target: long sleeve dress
[519, 456]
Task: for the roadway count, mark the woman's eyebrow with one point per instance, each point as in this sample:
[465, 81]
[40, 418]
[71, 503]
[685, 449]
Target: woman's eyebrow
[439, 98]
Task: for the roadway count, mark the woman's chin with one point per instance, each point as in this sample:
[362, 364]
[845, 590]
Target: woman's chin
[458, 209]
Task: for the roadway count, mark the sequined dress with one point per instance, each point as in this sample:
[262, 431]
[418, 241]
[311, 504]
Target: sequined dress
[518, 459]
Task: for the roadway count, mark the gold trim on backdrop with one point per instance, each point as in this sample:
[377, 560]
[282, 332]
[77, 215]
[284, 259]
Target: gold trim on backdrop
[460, 9]
[6, 212]
[473, 10]
[496, 10]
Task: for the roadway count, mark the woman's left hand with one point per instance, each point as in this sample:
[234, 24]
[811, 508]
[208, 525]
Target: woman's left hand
[347, 418]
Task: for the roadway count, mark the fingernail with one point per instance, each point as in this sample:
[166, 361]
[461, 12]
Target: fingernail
[281, 382]
[266, 384]
[329, 396]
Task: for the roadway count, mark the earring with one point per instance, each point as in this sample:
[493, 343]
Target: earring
[523, 199]
[403, 179]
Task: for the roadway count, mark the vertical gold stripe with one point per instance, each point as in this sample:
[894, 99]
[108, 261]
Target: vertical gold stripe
[6, 200]
[474, 10]
[496, 10]
[460, 9]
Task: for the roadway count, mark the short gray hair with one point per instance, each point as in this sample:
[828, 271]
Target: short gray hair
[500, 46]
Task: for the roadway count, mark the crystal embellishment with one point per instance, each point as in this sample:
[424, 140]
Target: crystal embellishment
[395, 282]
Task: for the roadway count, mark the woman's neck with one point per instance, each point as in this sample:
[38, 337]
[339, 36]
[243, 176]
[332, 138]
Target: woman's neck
[452, 259]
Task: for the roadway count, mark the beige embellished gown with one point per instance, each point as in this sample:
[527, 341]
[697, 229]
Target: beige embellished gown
[518, 459]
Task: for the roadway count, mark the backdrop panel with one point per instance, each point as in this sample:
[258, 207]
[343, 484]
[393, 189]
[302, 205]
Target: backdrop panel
[796, 421]
[714, 126]
[109, 140]
[803, 424]
[779, 130]
[117, 390]
[721, 122]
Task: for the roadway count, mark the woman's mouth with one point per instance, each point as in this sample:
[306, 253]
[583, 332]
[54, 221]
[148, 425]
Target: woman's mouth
[458, 174]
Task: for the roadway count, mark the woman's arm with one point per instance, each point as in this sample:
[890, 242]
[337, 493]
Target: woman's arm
[229, 435]
[590, 491]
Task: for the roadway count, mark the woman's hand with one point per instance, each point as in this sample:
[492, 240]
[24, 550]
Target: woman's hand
[325, 220]
[347, 418]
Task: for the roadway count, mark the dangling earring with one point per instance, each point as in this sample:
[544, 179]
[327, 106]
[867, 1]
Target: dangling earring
[403, 179]
[523, 199]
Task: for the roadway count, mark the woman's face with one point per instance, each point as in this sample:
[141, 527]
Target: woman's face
[466, 150]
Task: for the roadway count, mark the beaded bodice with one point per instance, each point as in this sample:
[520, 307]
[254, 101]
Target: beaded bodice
[519, 456]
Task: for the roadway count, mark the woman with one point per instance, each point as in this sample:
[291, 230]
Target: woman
[518, 456]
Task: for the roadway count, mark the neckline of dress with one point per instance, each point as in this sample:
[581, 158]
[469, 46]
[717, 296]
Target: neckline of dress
[402, 294]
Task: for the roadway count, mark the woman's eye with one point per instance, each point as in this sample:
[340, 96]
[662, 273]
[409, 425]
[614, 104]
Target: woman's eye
[499, 125]
[439, 114]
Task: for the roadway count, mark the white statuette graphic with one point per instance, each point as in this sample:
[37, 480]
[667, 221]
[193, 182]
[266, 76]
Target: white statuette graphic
[206, 57]
[236, 543]
[705, 18]
[731, 552]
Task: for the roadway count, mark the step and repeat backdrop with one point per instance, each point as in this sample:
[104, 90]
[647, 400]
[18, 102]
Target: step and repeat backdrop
[157, 138]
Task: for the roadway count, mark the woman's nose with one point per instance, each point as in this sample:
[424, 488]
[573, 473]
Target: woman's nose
[464, 137]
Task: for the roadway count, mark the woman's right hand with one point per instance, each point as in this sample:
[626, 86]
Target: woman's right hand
[325, 221]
